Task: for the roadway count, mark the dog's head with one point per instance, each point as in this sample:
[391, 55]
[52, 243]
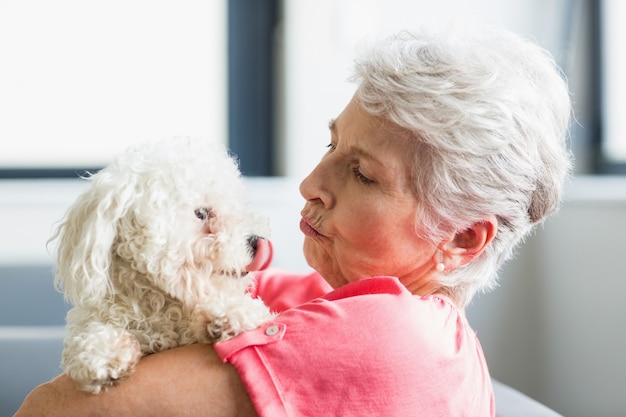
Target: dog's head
[173, 212]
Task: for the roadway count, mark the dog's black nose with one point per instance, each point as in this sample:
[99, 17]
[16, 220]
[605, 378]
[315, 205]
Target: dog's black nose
[252, 241]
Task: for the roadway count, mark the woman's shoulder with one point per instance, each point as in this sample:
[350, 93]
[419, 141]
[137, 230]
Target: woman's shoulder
[372, 335]
[386, 296]
[379, 314]
[388, 293]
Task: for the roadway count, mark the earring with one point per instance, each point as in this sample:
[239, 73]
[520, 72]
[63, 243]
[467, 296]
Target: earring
[440, 265]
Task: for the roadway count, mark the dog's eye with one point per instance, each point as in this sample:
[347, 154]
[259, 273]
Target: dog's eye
[203, 213]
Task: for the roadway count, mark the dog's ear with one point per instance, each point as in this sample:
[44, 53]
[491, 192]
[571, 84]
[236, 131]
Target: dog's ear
[86, 236]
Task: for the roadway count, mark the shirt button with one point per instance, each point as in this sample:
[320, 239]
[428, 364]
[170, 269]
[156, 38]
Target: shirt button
[272, 330]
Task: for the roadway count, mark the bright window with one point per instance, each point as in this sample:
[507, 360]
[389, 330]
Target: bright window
[81, 80]
[613, 34]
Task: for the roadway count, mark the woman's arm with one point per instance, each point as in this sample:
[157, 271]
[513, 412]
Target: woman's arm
[186, 381]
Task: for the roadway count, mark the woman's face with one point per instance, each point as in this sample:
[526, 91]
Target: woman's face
[359, 216]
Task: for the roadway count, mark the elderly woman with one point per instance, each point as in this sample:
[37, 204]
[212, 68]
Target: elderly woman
[451, 150]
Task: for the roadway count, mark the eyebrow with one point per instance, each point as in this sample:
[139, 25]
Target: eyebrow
[332, 126]
[362, 153]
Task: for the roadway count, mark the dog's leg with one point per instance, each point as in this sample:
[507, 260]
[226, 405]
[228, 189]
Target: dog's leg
[99, 356]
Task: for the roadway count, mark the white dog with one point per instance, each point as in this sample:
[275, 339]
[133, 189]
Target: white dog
[154, 255]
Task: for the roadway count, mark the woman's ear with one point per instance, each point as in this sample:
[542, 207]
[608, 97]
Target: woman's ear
[469, 243]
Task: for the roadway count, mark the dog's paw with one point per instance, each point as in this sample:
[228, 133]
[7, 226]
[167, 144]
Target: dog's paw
[98, 360]
[220, 329]
[210, 326]
[211, 323]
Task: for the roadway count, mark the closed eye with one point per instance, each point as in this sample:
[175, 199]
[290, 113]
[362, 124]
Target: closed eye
[361, 177]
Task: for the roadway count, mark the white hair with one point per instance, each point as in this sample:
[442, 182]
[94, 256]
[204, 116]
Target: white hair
[488, 114]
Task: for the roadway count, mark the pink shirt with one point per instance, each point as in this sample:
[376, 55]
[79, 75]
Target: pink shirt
[369, 348]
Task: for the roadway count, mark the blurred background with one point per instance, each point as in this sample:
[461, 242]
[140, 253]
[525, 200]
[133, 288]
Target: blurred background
[80, 80]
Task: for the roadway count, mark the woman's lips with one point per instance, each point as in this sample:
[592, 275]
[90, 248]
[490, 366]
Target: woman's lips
[308, 230]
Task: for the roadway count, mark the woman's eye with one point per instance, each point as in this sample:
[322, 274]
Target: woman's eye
[331, 147]
[362, 178]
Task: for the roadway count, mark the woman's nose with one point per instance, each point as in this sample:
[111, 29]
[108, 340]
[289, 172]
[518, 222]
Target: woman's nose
[317, 187]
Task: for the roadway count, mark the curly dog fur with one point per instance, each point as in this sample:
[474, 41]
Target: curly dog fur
[153, 255]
